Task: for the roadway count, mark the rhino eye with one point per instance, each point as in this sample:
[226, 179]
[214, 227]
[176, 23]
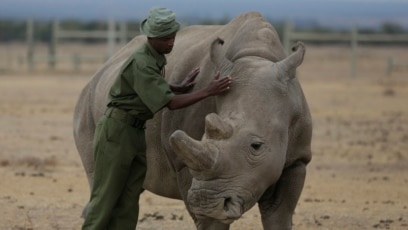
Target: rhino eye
[256, 145]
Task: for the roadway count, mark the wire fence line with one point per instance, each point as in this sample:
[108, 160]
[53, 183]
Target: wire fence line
[353, 37]
[117, 33]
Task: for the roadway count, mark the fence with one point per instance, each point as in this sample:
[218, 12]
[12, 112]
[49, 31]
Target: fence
[393, 64]
[111, 35]
[353, 37]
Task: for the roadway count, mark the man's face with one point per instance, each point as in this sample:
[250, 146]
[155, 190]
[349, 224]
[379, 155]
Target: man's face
[163, 45]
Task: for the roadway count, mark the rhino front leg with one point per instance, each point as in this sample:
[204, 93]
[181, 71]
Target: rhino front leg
[278, 203]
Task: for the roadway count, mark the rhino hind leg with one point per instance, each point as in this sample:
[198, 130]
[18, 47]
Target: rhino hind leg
[278, 203]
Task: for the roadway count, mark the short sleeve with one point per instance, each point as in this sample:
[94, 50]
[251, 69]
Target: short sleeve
[150, 86]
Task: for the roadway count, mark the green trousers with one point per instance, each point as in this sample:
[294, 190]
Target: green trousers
[120, 169]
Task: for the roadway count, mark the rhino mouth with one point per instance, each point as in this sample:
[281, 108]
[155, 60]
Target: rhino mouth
[225, 209]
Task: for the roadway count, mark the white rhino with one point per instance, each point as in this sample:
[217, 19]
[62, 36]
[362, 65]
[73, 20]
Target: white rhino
[250, 145]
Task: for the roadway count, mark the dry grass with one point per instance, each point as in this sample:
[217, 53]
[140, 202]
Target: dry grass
[356, 180]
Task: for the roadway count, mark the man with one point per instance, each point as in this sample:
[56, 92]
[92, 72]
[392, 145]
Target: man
[119, 145]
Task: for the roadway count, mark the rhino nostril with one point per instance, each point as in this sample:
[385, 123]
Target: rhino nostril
[232, 208]
[227, 201]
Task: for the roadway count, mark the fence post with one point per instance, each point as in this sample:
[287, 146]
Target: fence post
[354, 53]
[76, 61]
[30, 43]
[111, 36]
[123, 33]
[52, 56]
[287, 31]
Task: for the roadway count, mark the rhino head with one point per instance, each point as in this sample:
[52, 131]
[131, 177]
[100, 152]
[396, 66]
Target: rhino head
[244, 148]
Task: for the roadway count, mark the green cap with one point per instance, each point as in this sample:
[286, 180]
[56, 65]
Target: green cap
[160, 23]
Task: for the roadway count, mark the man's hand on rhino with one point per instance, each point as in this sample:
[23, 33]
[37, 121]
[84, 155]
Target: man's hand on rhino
[188, 82]
[219, 85]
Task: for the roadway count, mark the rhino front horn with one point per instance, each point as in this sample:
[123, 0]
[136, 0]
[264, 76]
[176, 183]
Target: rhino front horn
[196, 155]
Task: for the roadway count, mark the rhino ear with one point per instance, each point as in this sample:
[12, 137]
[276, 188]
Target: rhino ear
[218, 58]
[288, 65]
[216, 128]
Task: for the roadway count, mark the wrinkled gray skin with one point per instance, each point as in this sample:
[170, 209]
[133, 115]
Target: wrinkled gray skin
[250, 145]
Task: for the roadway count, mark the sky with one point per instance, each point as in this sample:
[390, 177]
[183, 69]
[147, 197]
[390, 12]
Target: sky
[325, 12]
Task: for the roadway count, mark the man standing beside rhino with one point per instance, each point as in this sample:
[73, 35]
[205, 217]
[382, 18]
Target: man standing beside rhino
[138, 92]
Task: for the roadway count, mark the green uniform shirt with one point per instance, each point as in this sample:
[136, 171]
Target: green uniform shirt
[140, 87]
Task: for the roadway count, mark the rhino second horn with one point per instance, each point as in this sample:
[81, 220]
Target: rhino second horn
[216, 128]
[196, 155]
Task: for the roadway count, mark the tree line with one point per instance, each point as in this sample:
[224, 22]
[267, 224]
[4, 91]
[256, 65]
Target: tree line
[15, 30]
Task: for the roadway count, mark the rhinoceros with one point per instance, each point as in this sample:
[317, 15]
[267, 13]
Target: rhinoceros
[248, 146]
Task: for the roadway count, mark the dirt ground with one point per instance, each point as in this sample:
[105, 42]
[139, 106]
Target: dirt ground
[357, 178]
